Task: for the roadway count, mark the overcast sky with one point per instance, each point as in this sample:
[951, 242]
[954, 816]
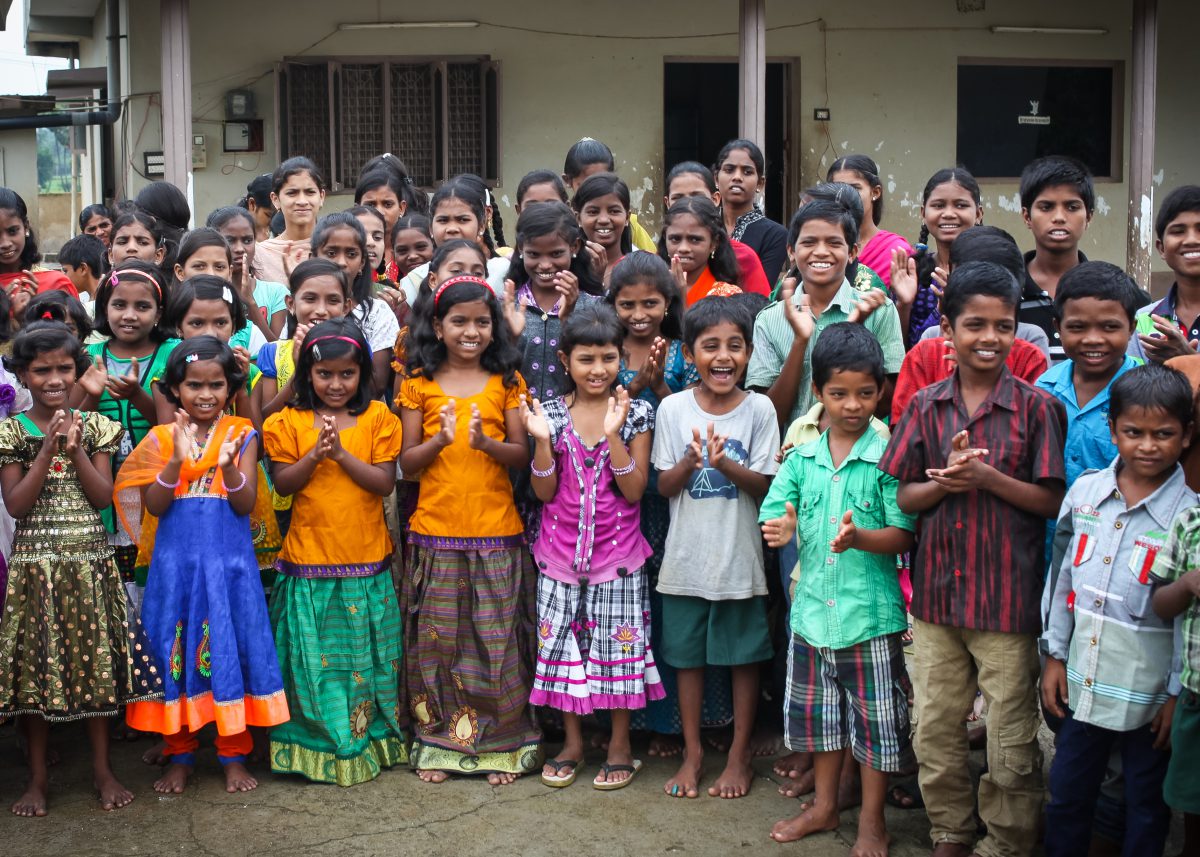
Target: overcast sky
[21, 74]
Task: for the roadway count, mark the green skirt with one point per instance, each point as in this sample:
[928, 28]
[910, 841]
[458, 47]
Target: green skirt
[339, 644]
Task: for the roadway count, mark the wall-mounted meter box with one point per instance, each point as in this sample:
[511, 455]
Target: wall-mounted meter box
[239, 104]
[244, 136]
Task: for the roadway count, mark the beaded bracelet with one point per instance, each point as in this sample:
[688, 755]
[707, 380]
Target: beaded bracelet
[627, 469]
[241, 485]
[168, 485]
[541, 474]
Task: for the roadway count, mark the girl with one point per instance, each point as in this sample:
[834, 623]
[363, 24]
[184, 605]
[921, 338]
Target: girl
[741, 172]
[96, 219]
[166, 204]
[650, 309]
[298, 191]
[469, 575]
[590, 465]
[337, 625]
[257, 202]
[136, 235]
[266, 302]
[412, 245]
[341, 239]
[59, 306]
[549, 275]
[120, 382]
[461, 208]
[585, 159]
[319, 292]
[207, 621]
[414, 200]
[602, 206]
[385, 191]
[876, 246]
[695, 245]
[691, 178]
[374, 224]
[950, 204]
[21, 276]
[54, 473]
[540, 186]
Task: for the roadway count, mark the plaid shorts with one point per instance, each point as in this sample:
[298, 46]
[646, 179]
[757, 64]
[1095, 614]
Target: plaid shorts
[856, 697]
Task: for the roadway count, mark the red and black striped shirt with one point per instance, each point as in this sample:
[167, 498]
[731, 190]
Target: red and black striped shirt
[979, 562]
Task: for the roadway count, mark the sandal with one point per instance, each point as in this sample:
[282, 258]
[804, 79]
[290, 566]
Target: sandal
[557, 781]
[607, 769]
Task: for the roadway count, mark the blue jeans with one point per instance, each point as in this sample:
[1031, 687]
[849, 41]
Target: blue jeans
[1081, 757]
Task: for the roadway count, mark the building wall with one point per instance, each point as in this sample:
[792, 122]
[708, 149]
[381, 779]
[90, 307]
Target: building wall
[886, 70]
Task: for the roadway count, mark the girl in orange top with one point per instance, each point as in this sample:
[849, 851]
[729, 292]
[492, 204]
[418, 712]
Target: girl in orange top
[206, 620]
[694, 243]
[337, 624]
[469, 586]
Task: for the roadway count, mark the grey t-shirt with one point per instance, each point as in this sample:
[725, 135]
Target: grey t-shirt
[714, 547]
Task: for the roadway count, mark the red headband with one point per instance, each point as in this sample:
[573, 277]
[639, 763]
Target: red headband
[114, 281]
[454, 281]
[310, 343]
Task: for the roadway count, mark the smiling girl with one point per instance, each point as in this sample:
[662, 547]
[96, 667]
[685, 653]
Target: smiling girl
[602, 206]
[298, 191]
[20, 275]
[266, 302]
[696, 247]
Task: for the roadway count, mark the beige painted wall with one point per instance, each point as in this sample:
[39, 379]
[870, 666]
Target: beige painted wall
[888, 68]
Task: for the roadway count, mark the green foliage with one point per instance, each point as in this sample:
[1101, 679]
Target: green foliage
[54, 160]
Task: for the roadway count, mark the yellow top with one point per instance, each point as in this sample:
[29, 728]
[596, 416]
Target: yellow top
[465, 493]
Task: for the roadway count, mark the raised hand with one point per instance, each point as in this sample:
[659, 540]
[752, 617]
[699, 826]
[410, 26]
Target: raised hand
[448, 420]
[126, 386]
[937, 283]
[783, 451]
[650, 376]
[326, 439]
[296, 252]
[534, 420]
[182, 436]
[799, 317]
[618, 411]
[242, 357]
[715, 444]
[779, 531]
[1168, 341]
[513, 314]
[74, 435]
[298, 335]
[334, 447]
[95, 380]
[846, 535]
[598, 258]
[56, 433]
[695, 450]
[865, 305]
[904, 277]
[680, 277]
[476, 439]
[965, 469]
[567, 286]
[227, 454]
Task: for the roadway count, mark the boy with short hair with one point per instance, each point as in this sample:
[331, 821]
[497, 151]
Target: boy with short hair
[979, 459]
[82, 260]
[1094, 309]
[1107, 654]
[847, 684]
[822, 239]
[714, 450]
[1171, 327]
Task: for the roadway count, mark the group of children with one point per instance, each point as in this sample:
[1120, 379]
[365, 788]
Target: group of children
[490, 492]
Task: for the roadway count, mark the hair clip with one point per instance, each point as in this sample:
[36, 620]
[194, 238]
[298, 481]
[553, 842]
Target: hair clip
[316, 353]
[191, 358]
[48, 315]
[226, 295]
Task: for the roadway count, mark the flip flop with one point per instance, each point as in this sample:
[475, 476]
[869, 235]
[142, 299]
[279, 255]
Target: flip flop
[606, 769]
[561, 782]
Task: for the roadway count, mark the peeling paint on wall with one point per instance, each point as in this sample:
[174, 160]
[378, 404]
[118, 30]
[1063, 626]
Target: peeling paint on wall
[891, 185]
[1158, 177]
[1102, 206]
[637, 194]
[1144, 221]
[880, 146]
[504, 199]
[1006, 204]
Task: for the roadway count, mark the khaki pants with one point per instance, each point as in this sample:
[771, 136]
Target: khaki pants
[947, 665]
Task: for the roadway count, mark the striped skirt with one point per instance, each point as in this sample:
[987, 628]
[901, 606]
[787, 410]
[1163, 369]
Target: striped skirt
[469, 642]
[338, 640]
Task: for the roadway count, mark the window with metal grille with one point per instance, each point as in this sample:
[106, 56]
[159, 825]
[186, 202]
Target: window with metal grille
[439, 116]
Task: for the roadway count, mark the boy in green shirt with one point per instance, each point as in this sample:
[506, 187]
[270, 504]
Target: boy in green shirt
[847, 682]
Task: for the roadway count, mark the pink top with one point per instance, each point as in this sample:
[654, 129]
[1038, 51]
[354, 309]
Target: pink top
[877, 254]
[590, 533]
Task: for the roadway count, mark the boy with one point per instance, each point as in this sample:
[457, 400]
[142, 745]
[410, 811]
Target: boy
[1171, 327]
[822, 239]
[979, 459]
[82, 260]
[1177, 573]
[1094, 309]
[714, 448]
[1057, 201]
[847, 683]
[1106, 652]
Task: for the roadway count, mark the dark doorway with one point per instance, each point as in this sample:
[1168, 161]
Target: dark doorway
[700, 115]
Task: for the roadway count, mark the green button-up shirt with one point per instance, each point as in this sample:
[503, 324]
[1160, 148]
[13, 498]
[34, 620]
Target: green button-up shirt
[844, 598]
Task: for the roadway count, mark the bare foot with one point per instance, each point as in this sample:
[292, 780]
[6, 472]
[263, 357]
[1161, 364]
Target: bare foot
[174, 780]
[872, 841]
[665, 746]
[797, 771]
[113, 795]
[156, 755]
[809, 821]
[734, 780]
[686, 782]
[497, 778]
[238, 779]
[765, 743]
[849, 793]
[32, 804]
[433, 776]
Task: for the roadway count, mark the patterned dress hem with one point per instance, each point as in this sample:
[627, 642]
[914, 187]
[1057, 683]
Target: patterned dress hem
[431, 757]
[596, 701]
[323, 767]
[231, 717]
[83, 715]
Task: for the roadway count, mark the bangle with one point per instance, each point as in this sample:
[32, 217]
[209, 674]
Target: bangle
[241, 485]
[170, 485]
[627, 469]
[542, 474]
